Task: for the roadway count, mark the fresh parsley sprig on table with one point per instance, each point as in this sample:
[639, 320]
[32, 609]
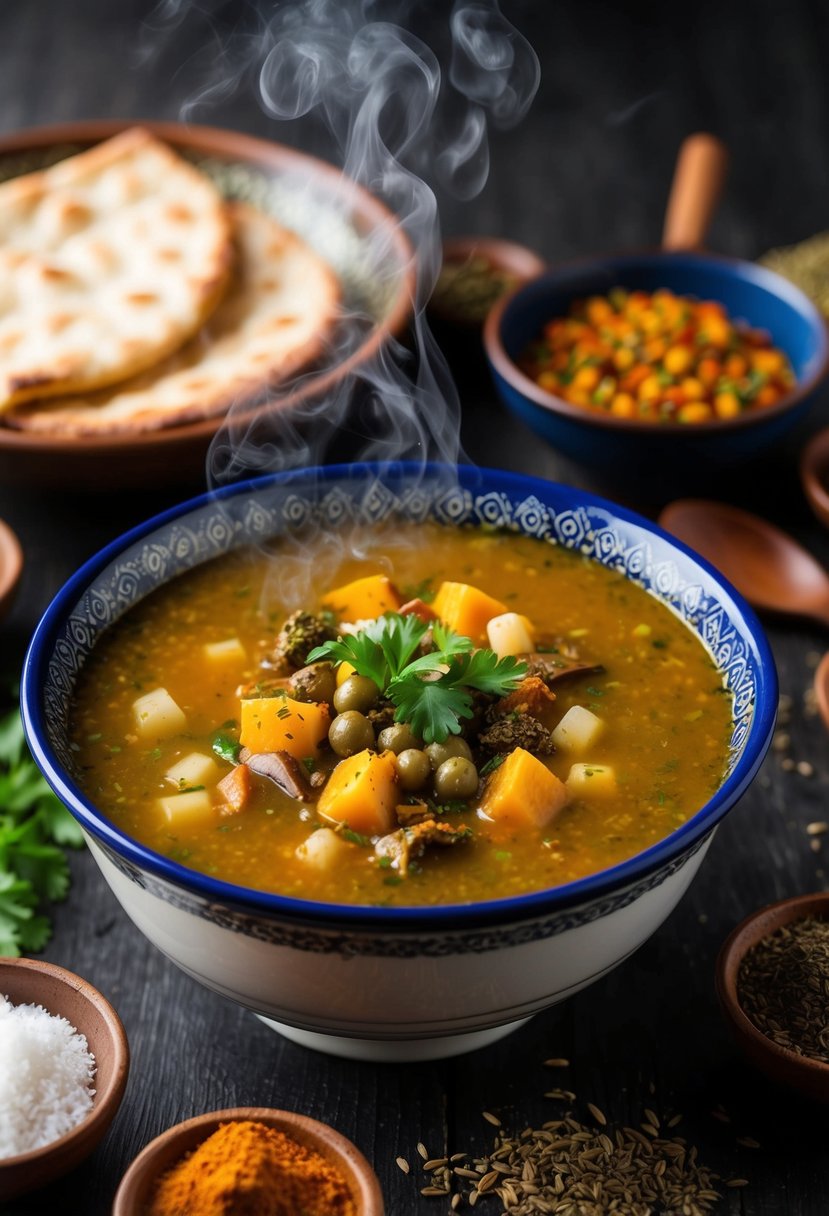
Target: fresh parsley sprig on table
[434, 691]
[34, 828]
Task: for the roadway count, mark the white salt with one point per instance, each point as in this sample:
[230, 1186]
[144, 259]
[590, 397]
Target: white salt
[46, 1072]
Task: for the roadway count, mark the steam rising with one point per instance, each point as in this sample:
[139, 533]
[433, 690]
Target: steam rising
[397, 121]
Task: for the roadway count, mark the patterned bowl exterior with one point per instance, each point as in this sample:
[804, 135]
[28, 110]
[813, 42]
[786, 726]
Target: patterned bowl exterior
[331, 498]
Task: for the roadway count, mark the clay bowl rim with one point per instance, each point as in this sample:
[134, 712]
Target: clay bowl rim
[239, 147]
[801, 1072]
[501, 253]
[107, 1100]
[162, 1152]
[738, 267]
[814, 461]
[11, 564]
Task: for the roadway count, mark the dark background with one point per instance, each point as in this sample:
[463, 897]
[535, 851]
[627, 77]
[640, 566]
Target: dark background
[588, 170]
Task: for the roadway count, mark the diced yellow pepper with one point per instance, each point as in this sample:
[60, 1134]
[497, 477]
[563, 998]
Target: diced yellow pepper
[364, 599]
[467, 610]
[275, 724]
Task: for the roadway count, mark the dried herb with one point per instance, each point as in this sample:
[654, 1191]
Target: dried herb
[783, 987]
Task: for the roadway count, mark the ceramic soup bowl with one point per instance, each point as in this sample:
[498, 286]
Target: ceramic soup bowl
[396, 983]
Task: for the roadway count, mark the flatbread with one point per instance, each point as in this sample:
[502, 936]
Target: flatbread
[109, 261]
[275, 316]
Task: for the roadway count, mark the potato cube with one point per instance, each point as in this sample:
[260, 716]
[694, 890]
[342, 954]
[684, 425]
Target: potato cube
[275, 724]
[509, 634]
[195, 769]
[157, 716]
[578, 730]
[183, 810]
[230, 651]
[589, 780]
[523, 792]
[467, 610]
[362, 793]
[323, 850]
[364, 599]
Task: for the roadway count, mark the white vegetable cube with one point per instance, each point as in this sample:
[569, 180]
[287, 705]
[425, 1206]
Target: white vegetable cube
[591, 780]
[195, 769]
[231, 651]
[509, 634]
[323, 850]
[157, 716]
[578, 730]
[182, 810]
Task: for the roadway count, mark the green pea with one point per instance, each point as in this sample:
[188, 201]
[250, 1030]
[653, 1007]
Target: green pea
[453, 746]
[350, 732]
[413, 769]
[357, 692]
[398, 738]
[457, 777]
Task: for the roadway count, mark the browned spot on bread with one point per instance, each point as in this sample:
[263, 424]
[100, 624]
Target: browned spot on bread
[59, 321]
[74, 215]
[10, 340]
[29, 380]
[141, 297]
[281, 322]
[104, 253]
[54, 274]
[169, 255]
[197, 384]
[275, 248]
[178, 213]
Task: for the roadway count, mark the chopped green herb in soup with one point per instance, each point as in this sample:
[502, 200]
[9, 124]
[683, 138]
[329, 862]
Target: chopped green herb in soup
[473, 715]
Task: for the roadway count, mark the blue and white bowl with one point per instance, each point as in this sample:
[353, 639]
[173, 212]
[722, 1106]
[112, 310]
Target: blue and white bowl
[395, 983]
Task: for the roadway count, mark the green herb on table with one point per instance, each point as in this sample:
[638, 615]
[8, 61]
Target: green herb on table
[34, 830]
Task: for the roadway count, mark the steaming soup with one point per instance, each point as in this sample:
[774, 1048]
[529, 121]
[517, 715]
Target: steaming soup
[573, 719]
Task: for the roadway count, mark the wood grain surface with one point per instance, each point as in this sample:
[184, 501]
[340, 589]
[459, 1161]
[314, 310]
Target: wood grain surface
[588, 170]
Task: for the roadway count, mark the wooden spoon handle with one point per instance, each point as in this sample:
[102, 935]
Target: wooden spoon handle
[695, 191]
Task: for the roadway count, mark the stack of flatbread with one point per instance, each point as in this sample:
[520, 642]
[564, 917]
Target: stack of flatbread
[132, 297]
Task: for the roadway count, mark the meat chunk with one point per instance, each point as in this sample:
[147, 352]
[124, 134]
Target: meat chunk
[284, 770]
[300, 634]
[532, 696]
[235, 790]
[407, 844]
[517, 730]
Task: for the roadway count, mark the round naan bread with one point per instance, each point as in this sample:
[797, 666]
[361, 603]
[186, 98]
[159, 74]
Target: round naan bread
[276, 314]
[109, 261]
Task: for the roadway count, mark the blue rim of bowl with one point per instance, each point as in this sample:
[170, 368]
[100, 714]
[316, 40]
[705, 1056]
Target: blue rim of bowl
[508, 909]
[760, 276]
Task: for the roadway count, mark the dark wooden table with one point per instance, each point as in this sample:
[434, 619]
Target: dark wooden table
[588, 170]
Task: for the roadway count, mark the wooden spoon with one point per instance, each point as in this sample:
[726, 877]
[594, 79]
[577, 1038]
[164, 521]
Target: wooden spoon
[766, 565]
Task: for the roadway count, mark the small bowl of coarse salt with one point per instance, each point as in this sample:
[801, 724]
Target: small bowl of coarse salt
[64, 1060]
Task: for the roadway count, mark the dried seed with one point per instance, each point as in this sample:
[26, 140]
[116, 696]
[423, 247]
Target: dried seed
[805, 768]
[818, 828]
[597, 1114]
[456, 1202]
[403, 1163]
[490, 1118]
[557, 1063]
[435, 1163]
[747, 1142]
[421, 1148]
[737, 1182]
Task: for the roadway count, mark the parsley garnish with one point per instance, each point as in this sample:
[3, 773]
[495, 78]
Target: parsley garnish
[33, 827]
[433, 692]
[226, 748]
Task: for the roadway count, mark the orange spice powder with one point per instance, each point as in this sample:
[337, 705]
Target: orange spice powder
[250, 1169]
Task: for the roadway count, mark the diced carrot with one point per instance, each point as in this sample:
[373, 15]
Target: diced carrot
[362, 792]
[522, 792]
[466, 610]
[235, 789]
[273, 724]
[364, 599]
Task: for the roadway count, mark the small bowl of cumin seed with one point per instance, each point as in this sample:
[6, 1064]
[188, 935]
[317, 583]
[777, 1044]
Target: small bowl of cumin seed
[773, 984]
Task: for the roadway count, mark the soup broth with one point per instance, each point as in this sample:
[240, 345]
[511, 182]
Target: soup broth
[663, 713]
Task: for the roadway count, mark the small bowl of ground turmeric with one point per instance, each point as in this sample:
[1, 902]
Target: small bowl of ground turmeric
[249, 1161]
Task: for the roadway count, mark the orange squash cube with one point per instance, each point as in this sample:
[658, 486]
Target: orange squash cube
[275, 724]
[364, 599]
[362, 792]
[522, 792]
[467, 610]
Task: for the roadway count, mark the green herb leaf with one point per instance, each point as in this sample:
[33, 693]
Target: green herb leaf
[226, 748]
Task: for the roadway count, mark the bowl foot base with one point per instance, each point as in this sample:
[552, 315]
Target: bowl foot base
[393, 1051]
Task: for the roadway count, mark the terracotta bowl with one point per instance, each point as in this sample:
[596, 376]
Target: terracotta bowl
[334, 214]
[508, 256]
[11, 566]
[809, 1077]
[814, 474]
[31, 981]
[161, 1154]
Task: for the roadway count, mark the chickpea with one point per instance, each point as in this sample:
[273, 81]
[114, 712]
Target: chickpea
[357, 692]
[349, 733]
[457, 777]
[453, 746]
[413, 769]
[398, 738]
